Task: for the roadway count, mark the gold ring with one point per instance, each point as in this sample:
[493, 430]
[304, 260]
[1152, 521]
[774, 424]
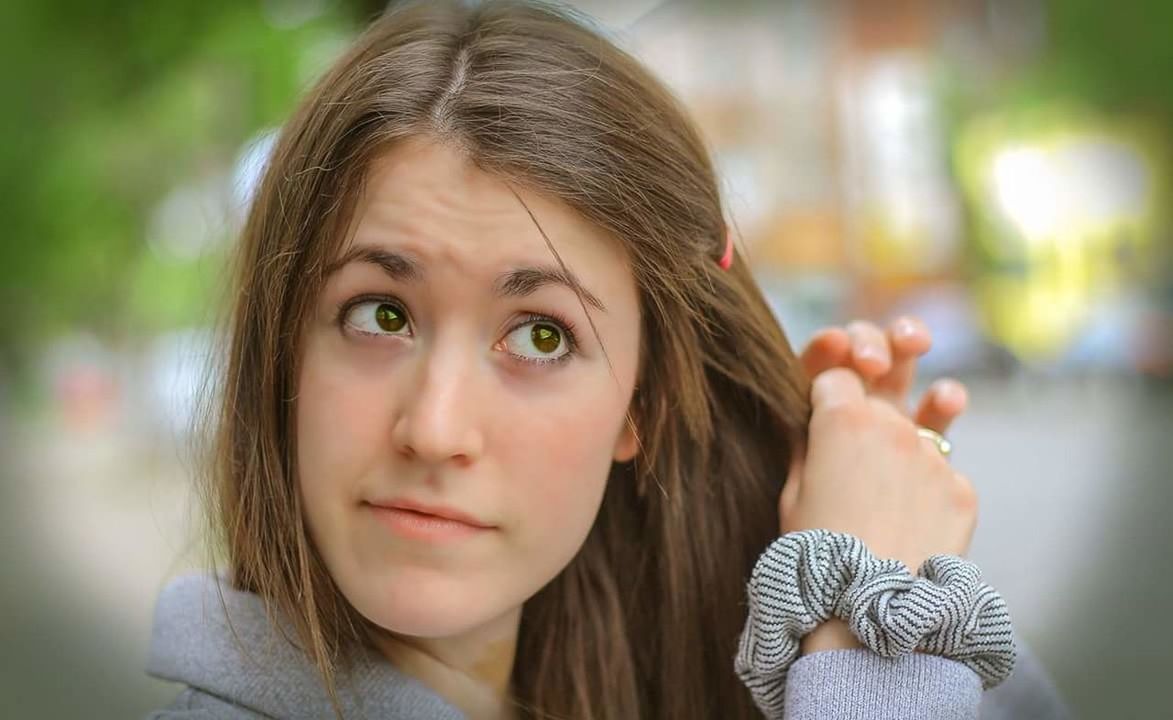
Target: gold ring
[943, 446]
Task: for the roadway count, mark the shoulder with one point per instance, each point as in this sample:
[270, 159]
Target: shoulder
[234, 660]
[202, 631]
[193, 704]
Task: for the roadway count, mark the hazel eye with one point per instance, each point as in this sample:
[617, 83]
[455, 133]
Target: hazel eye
[544, 337]
[386, 318]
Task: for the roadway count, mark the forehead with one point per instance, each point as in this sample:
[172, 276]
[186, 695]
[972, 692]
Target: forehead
[426, 199]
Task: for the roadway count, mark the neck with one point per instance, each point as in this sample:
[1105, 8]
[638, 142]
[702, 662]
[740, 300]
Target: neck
[471, 671]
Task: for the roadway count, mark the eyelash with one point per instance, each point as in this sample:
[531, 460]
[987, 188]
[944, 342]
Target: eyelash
[563, 324]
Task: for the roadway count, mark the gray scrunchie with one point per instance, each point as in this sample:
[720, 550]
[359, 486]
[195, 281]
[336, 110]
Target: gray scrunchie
[805, 578]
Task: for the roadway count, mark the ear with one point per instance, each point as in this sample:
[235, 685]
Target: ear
[627, 444]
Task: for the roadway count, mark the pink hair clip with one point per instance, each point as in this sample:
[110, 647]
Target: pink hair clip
[727, 258]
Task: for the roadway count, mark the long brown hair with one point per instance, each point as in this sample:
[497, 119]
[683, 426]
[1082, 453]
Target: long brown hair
[644, 622]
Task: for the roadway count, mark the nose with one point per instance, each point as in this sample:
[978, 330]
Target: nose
[437, 421]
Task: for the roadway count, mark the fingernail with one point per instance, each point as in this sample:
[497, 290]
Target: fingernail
[905, 327]
[947, 391]
[872, 354]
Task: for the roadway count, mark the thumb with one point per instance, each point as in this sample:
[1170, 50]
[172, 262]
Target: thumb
[837, 386]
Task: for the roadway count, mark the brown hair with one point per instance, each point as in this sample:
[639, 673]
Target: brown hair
[644, 622]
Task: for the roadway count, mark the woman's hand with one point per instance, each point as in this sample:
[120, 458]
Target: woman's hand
[886, 360]
[865, 470]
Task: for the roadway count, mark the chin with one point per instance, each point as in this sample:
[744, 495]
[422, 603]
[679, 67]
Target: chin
[424, 603]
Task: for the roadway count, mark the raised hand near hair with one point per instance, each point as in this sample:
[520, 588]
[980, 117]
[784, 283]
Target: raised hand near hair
[886, 360]
[866, 472]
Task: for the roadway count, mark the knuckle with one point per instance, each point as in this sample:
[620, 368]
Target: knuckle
[825, 383]
[831, 377]
[964, 493]
[885, 411]
[895, 425]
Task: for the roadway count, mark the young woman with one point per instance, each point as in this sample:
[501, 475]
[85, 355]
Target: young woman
[507, 430]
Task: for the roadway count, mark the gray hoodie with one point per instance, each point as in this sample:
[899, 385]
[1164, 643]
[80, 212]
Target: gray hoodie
[192, 644]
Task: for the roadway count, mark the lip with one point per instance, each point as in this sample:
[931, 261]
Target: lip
[422, 528]
[437, 511]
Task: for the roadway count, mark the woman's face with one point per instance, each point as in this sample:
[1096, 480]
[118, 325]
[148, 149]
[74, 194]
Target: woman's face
[450, 377]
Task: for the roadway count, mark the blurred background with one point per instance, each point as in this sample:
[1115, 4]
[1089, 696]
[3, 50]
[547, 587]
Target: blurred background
[1000, 168]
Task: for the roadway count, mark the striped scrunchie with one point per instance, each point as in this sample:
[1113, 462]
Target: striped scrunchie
[805, 578]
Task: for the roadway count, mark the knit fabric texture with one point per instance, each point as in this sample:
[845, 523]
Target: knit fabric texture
[807, 577]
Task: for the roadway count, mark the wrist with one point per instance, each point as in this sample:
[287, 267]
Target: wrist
[831, 635]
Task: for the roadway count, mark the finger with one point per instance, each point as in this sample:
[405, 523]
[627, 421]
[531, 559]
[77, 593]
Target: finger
[908, 339]
[870, 355]
[793, 480]
[941, 404]
[830, 347]
[790, 491]
[837, 386]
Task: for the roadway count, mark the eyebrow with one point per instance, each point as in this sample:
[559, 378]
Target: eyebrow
[517, 282]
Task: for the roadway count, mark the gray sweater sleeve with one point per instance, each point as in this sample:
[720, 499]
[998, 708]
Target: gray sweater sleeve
[850, 684]
[858, 684]
[792, 587]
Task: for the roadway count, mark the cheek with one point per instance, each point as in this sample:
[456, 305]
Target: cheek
[339, 426]
[560, 462]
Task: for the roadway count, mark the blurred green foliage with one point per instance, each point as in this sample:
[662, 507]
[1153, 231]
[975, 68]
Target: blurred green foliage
[1115, 55]
[110, 106]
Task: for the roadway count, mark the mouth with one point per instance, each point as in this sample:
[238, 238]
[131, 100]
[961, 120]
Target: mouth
[413, 524]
